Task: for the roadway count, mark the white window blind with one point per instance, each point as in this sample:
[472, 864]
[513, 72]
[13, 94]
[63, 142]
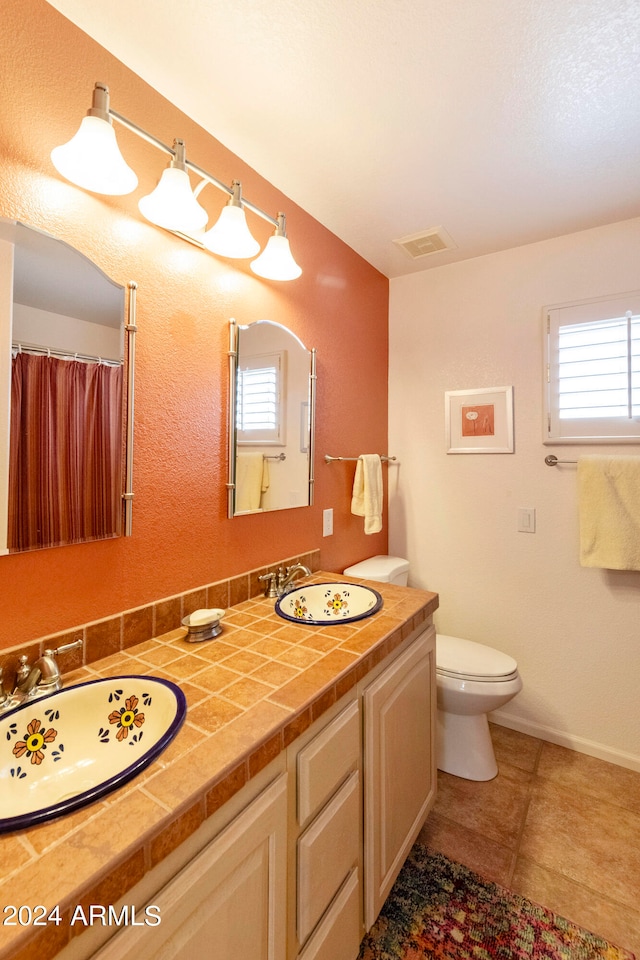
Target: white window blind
[259, 414]
[593, 371]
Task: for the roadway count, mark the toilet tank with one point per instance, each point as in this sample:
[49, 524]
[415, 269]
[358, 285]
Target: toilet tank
[382, 568]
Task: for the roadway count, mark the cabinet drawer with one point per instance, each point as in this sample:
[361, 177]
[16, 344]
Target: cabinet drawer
[327, 851]
[339, 933]
[325, 762]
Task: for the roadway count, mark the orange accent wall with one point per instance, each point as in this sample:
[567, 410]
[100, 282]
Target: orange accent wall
[181, 535]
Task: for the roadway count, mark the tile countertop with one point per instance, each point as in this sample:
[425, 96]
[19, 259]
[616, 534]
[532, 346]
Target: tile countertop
[250, 693]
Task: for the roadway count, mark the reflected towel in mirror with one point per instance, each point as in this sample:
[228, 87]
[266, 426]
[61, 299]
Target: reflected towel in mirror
[252, 479]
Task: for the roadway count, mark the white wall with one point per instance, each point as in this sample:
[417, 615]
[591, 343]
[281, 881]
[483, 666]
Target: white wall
[71, 335]
[575, 632]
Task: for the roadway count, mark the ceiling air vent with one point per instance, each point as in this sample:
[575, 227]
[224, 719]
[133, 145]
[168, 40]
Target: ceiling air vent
[426, 242]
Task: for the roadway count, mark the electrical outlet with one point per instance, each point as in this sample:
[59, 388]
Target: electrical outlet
[327, 522]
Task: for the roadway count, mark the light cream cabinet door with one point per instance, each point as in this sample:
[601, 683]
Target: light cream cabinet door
[399, 765]
[229, 903]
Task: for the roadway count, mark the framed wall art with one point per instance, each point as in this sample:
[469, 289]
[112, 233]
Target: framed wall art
[479, 421]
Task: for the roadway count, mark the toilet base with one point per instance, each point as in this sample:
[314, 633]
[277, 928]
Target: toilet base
[464, 746]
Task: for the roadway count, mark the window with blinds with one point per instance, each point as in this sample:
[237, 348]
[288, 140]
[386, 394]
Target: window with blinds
[593, 371]
[259, 413]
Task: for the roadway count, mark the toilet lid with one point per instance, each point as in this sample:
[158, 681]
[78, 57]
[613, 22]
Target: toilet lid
[468, 660]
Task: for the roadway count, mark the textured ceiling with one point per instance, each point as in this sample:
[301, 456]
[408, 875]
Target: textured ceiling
[501, 121]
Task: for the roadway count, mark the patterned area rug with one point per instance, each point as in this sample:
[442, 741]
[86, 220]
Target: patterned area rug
[440, 909]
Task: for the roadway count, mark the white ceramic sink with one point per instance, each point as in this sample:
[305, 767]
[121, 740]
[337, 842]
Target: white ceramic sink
[323, 603]
[68, 749]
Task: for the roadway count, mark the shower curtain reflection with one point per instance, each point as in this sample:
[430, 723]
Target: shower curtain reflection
[65, 460]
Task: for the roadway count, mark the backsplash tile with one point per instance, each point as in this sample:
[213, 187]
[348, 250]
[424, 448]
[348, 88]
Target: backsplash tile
[218, 595]
[168, 614]
[137, 626]
[195, 600]
[238, 590]
[105, 637]
[102, 639]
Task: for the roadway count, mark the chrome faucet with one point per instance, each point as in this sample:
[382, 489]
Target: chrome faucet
[284, 580]
[288, 580]
[39, 680]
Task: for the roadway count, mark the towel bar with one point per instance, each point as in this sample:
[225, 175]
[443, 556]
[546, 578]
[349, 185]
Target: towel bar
[328, 459]
[551, 460]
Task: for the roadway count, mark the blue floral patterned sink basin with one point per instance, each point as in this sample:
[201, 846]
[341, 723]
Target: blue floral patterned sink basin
[323, 603]
[68, 749]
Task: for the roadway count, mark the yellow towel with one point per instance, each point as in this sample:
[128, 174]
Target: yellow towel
[264, 485]
[609, 511]
[368, 492]
[252, 479]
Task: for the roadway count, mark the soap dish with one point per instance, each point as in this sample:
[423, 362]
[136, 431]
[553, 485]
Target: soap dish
[203, 625]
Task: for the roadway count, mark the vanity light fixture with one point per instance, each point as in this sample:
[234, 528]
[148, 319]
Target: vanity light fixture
[276, 261]
[92, 160]
[230, 236]
[172, 204]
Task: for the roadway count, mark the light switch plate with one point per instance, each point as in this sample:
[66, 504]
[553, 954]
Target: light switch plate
[327, 522]
[526, 520]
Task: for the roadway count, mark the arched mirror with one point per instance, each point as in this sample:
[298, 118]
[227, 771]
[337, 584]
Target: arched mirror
[272, 380]
[66, 395]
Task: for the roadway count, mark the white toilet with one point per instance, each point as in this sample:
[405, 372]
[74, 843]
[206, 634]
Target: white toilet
[471, 679]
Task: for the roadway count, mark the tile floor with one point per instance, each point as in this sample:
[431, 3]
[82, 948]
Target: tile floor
[556, 826]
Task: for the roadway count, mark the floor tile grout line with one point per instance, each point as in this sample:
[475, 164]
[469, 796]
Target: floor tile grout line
[525, 813]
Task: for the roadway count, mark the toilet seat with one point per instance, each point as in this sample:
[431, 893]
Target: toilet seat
[467, 660]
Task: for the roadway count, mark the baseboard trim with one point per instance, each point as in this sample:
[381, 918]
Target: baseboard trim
[579, 744]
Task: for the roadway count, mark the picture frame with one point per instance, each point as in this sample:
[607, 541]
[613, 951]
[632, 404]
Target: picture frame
[479, 421]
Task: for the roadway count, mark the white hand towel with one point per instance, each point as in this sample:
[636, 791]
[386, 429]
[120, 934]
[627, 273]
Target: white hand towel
[609, 510]
[368, 492]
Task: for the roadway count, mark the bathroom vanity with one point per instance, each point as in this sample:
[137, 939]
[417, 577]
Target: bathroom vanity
[274, 831]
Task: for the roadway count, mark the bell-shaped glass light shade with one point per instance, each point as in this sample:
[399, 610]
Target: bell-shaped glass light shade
[92, 160]
[276, 262]
[230, 236]
[172, 204]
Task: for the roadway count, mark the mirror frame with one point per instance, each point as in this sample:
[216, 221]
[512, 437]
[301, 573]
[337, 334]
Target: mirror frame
[234, 336]
[131, 328]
